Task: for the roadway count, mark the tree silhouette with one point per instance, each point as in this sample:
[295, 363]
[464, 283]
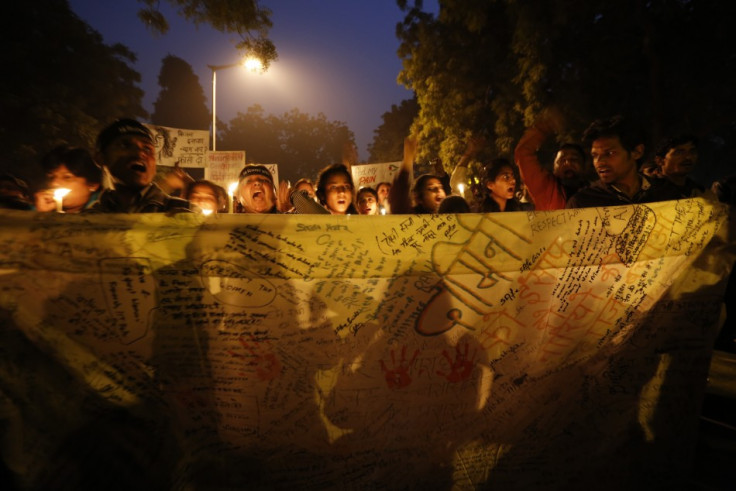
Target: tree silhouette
[487, 68]
[62, 83]
[300, 143]
[388, 138]
[181, 102]
[245, 18]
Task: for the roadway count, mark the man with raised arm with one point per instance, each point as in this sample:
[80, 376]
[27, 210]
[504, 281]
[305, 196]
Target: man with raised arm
[549, 190]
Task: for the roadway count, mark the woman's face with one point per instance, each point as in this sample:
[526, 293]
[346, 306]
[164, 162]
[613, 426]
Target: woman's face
[504, 185]
[432, 194]
[204, 197]
[338, 194]
[367, 203]
[383, 191]
[79, 189]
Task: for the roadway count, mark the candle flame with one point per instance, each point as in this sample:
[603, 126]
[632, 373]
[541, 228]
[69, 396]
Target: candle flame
[60, 192]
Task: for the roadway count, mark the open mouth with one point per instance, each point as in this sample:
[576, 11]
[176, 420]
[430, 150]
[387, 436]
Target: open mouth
[258, 195]
[137, 167]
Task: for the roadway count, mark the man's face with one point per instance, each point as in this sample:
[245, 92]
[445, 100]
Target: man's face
[131, 160]
[256, 194]
[679, 160]
[612, 161]
[568, 164]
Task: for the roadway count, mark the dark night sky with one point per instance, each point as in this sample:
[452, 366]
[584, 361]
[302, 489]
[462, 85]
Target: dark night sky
[337, 57]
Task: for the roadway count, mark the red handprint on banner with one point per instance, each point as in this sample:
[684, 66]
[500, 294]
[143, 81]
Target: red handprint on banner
[398, 376]
[461, 367]
[265, 363]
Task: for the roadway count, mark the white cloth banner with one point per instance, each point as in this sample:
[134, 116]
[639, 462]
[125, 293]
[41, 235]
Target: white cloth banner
[554, 350]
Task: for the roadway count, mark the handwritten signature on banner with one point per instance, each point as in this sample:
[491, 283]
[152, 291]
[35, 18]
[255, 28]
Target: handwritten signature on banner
[319, 351]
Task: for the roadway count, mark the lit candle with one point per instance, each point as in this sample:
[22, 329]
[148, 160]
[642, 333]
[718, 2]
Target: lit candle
[383, 211]
[59, 194]
[461, 188]
[230, 193]
[206, 212]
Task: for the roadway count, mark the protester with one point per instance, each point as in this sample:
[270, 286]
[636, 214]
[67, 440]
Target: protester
[208, 196]
[335, 190]
[383, 189]
[367, 201]
[126, 149]
[428, 192]
[616, 148]
[549, 190]
[256, 191]
[73, 169]
[500, 185]
[676, 157]
[14, 193]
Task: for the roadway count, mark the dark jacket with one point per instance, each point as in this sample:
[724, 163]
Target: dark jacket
[150, 200]
[601, 194]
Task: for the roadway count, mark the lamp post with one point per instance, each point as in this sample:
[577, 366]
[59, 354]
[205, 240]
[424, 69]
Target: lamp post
[252, 64]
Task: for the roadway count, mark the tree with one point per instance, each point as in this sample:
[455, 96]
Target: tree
[243, 17]
[388, 138]
[181, 102]
[487, 67]
[62, 83]
[300, 143]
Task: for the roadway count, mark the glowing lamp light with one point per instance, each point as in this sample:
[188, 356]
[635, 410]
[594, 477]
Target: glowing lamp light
[59, 194]
[230, 193]
[253, 64]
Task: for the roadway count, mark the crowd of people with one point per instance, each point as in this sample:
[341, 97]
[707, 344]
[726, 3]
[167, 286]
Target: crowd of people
[119, 177]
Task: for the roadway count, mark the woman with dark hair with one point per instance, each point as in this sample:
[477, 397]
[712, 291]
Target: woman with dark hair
[500, 187]
[208, 196]
[367, 201]
[427, 192]
[335, 190]
[73, 169]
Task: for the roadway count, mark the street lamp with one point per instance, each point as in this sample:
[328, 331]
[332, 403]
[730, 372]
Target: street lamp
[251, 64]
